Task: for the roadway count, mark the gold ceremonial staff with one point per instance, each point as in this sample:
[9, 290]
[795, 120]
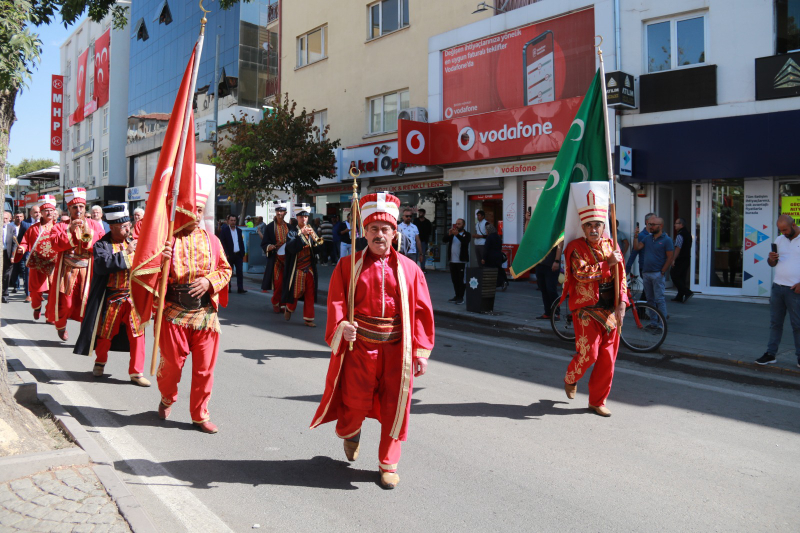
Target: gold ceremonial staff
[355, 215]
[165, 265]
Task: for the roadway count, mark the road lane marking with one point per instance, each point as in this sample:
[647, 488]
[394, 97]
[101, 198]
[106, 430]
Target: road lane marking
[186, 507]
[665, 379]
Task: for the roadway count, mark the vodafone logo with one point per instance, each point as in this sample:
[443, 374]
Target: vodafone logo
[466, 138]
[448, 113]
[415, 142]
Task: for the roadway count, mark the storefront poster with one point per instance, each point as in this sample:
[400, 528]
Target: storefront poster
[758, 232]
[790, 205]
[542, 62]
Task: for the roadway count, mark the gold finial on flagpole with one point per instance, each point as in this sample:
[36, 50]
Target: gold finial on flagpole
[354, 215]
[204, 19]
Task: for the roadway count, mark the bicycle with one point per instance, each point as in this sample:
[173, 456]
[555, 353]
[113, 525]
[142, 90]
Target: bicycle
[637, 335]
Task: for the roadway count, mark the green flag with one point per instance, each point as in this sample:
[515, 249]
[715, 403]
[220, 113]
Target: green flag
[582, 157]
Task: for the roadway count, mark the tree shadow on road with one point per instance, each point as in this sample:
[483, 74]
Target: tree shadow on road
[319, 472]
[261, 356]
[533, 411]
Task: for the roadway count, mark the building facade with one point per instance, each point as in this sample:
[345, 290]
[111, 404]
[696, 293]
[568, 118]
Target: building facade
[94, 63]
[162, 36]
[357, 66]
[714, 135]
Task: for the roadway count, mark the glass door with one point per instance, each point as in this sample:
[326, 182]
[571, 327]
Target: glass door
[727, 231]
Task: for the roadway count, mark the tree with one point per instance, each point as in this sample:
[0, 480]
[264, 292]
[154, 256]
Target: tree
[30, 165]
[284, 151]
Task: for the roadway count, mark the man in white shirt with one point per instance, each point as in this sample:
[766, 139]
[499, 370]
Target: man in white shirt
[411, 234]
[479, 240]
[785, 294]
[458, 253]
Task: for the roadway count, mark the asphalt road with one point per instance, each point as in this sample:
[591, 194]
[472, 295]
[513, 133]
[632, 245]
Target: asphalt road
[494, 443]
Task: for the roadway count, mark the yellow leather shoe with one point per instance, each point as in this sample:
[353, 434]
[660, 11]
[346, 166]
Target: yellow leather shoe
[570, 389]
[389, 480]
[601, 410]
[351, 449]
[140, 380]
[97, 371]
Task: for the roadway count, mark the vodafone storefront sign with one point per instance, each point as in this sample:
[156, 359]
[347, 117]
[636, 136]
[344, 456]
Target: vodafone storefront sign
[531, 130]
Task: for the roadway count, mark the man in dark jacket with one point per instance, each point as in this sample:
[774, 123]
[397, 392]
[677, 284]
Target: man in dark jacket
[425, 228]
[300, 274]
[274, 245]
[680, 267]
[233, 243]
[108, 308]
[457, 240]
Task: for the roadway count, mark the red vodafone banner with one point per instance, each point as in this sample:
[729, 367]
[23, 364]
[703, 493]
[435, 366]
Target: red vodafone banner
[80, 90]
[56, 112]
[534, 129]
[542, 62]
[102, 48]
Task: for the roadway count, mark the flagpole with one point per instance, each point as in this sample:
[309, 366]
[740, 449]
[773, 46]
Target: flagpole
[612, 207]
[165, 264]
[354, 211]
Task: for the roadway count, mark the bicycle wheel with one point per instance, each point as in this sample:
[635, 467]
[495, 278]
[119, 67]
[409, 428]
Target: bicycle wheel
[561, 320]
[643, 334]
[636, 287]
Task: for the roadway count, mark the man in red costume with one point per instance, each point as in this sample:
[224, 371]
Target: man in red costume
[592, 262]
[42, 260]
[198, 277]
[73, 270]
[392, 337]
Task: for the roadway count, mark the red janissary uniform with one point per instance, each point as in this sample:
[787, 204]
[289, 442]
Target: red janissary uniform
[281, 234]
[395, 326]
[596, 333]
[118, 314]
[73, 271]
[38, 280]
[183, 331]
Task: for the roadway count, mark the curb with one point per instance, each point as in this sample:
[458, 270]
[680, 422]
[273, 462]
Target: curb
[91, 452]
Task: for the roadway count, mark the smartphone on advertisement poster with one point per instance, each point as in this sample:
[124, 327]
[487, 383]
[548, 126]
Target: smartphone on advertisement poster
[539, 65]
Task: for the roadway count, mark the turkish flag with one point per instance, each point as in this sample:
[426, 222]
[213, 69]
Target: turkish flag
[146, 269]
[102, 49]
[80, 91]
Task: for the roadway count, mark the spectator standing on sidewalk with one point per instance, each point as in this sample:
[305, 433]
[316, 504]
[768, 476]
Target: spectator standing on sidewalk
[411, 234]
[425, 228]
[785, 288]
[547, 273]
[494, 256]
[480, 236]
[634, 252]
[337, 238]
[345, 237]
[656, 250]
[326, 232]
[457, 240]
[680, 267]
[623, 240]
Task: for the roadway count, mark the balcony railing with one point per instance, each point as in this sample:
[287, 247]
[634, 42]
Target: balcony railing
[272, 12]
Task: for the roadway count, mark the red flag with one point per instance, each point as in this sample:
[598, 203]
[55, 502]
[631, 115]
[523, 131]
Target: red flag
[80, 90]
[101, 68]
[146, 268]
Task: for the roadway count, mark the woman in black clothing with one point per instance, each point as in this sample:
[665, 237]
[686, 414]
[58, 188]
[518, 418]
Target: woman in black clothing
[494, 257]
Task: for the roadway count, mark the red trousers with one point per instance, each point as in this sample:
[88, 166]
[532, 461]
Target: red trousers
[593, 345]
[36, 299]
[277, 283]
[176, 343]
[69, 307]
[136, 366]
[308, 299]
[370, 373]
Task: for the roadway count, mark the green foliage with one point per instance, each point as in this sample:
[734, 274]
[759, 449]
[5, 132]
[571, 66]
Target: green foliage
[282, 152]
[19, 48]
[30, 165]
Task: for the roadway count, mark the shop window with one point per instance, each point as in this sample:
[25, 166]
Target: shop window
[311, 47]
[386, 16]
[787, 26]
[727, 233]
[675, 43]
[383, 111]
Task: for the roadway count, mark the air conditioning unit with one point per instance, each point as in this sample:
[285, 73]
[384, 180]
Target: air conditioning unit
[417, 114]
[206, 131]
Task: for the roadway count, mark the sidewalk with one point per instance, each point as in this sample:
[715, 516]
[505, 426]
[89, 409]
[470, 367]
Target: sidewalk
[716, 330]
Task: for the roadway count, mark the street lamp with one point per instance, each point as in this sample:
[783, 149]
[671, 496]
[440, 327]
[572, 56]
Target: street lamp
[483, 6]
